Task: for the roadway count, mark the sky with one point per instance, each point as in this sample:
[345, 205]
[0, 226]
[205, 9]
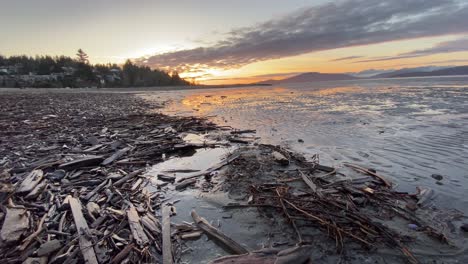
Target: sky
[213, 41]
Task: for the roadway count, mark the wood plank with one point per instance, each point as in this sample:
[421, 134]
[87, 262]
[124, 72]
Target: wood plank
[137, 230]
[86, 245]
[30, 181]
[231, 245]
[166, 235]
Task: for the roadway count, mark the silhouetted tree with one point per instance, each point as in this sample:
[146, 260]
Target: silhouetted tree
[82, 56]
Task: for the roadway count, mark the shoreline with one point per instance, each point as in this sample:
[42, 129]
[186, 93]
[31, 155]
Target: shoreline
[130, 89]
[52, 132]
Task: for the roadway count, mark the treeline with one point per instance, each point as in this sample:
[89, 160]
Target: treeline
[63, 71]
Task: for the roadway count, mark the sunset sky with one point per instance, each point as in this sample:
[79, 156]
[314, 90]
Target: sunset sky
[242, 41]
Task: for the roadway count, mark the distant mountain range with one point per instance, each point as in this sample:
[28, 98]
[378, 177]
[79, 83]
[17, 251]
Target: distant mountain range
[406, 72]
[313, 77]
[460, 70]
[375, 73]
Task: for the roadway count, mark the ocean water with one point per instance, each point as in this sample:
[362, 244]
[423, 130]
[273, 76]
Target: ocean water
[407, 129]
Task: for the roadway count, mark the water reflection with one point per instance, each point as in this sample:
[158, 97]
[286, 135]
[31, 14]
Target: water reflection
[407, 129]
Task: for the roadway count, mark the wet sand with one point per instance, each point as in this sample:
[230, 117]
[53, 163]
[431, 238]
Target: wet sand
[412, 129]
[276, 113]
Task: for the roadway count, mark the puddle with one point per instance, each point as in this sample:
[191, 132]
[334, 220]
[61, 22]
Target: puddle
[244, 225]
[202, 160]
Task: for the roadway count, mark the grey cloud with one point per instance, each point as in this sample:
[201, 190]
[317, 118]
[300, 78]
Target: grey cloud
[387, 58]
[347, 58]
[443, 47]
[329, 26]
[272, 75]
[457, 45]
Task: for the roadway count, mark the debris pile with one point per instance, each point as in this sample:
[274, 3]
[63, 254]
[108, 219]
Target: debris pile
[310, 196]
[72, 183]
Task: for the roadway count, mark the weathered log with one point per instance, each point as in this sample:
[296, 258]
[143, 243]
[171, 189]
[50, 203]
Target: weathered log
[151, 224]
[231, 245]
[137, 230]
[185, 184]
[30, 181]
[86, 245]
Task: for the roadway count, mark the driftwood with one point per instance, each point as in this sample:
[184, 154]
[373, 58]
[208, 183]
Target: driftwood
[39, 229]
[128, 177]
[49, 247]
[95, 190]
[91, 147]
[310, 183]
[86, 244]
[364, 170]
[168, 178]
[192, 235]
[122, 254]
[30, 181]
[82, 162]
[137, 230]
[166, 235]
[185, 184]
[41, 260]
[280, 158]
[37, 190]
[151, 224]
[116, 156]
[231, 245]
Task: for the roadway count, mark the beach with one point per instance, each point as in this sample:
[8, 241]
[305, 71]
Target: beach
[259, 192]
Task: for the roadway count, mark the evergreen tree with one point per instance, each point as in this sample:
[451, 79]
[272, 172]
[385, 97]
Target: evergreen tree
[82, 56]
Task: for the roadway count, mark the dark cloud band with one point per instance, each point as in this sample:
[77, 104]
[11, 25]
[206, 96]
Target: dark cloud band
[335, 25]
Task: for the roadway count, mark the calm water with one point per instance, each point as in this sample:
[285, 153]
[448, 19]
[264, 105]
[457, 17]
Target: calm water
[407, 129]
